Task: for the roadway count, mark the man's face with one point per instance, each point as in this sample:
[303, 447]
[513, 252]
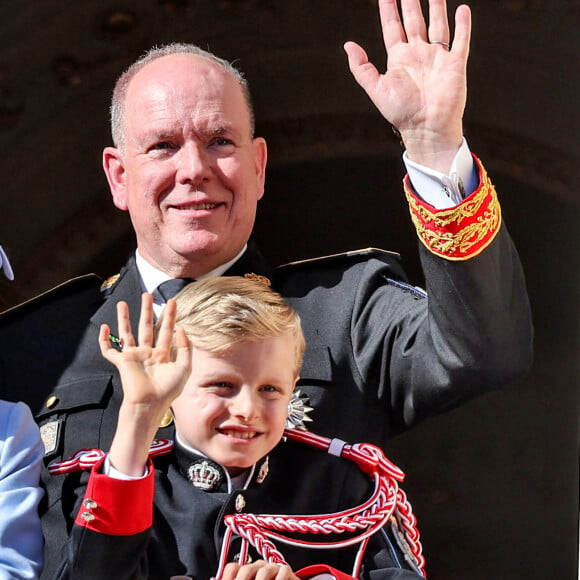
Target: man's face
[190, 173]
[234, 406]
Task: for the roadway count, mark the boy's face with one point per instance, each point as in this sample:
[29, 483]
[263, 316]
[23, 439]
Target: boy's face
[234, 405]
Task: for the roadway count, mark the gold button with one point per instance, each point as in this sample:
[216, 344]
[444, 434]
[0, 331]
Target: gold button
[51, 401]
[90, 504]
[87, 516]
[167, 419]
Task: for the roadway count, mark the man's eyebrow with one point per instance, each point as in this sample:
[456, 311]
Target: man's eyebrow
[221, 130]
[154, 135]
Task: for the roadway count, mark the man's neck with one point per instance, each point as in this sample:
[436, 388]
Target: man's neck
[152, 276]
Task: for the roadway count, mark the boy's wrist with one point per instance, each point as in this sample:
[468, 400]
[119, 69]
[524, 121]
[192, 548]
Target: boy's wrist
[136, 429]
[142, 416]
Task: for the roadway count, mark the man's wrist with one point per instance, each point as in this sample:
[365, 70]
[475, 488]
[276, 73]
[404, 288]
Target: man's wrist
[441, 190]
[437, 154]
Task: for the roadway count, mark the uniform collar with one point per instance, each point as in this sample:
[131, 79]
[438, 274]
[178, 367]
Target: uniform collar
[211, 477]
[151, 276]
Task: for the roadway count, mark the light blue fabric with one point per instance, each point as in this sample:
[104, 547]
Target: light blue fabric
[21, 453]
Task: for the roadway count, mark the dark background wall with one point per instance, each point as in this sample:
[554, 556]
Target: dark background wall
[494, 483]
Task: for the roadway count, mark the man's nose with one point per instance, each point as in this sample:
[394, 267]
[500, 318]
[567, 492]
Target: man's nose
[194, 164]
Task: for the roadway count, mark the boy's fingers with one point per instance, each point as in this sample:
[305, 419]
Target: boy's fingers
[183, 348]
[124, 323]
[230, 571]
[104, 340]
[165, 335]
[146, 320]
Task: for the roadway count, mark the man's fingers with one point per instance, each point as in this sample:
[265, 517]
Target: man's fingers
[462, 36]
[364, 72]
[438, 21]
[413, 20]
[391, 25]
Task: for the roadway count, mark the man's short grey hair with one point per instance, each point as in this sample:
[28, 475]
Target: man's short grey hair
[117, 110]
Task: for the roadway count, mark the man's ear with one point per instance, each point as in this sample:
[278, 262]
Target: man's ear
[114, 169]
[260, 160]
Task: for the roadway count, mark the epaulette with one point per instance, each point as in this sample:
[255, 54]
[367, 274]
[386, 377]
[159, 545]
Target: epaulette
[392, 259]
[81, 284]
[108, 284]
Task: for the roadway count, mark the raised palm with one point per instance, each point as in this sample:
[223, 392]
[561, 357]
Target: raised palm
[150, 374]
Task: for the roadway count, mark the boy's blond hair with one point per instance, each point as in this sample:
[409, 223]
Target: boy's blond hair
[218, 313]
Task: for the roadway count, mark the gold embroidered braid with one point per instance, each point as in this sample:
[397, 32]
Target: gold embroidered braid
[461, 232]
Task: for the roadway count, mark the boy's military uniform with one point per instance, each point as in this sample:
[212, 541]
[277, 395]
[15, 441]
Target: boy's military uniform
[116, 534]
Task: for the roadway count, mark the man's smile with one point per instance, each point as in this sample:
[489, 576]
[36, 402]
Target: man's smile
[195, 206]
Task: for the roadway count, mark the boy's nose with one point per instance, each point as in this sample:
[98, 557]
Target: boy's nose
[245, 406]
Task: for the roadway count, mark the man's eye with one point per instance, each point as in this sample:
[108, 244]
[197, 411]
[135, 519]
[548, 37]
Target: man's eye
[222, 142]
[162, 145]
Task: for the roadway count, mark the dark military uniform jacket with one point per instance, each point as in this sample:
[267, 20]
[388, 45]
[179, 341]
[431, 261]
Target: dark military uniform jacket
[380, 356]
[186, 534]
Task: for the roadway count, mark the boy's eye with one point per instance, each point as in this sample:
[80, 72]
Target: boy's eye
[269, 389]
[222, 385]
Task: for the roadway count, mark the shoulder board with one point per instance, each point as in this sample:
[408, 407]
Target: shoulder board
[391, 259]
[78, 285]
[350, 256]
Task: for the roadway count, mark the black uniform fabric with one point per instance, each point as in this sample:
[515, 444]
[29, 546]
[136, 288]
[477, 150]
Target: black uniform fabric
[188, 529]
[380, 356]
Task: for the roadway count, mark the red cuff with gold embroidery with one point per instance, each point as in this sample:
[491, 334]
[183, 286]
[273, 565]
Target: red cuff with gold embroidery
[460, 232]
[315, 569]
[115, 506]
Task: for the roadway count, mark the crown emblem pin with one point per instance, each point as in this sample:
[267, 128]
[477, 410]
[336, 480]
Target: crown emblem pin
[204, 475]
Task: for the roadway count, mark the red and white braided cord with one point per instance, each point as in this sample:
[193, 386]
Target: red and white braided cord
[387, 500]
[85, 458]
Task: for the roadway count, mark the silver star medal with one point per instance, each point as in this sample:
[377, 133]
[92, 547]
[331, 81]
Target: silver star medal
[297, 411]
[5, 265]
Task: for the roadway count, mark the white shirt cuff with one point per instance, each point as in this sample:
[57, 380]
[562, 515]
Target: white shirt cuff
[110, 471]
[440, 190]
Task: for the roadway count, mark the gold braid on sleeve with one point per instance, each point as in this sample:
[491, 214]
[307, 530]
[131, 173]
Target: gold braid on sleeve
[463, 231]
